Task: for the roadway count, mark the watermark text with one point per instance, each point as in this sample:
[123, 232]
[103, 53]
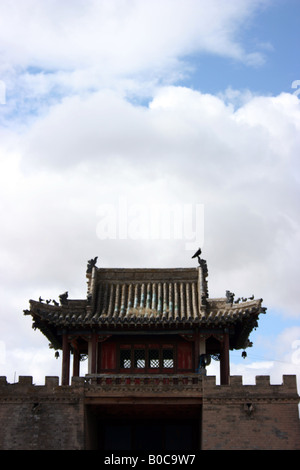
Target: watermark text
[296, 84]
[139, 221]
[2, 353]
[296, 353]
[2, 92]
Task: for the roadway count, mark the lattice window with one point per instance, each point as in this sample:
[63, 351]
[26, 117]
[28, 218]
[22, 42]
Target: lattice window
[168, 358]
[125, 358]
[139, 358]
[153, 358]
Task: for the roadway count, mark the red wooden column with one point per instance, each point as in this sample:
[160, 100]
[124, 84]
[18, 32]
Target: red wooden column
[94, 354]
[224, 360]
[76, 361]
[65, 360]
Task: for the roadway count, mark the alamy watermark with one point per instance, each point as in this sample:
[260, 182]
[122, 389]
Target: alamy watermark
[2, 92]
[296, 84]
[296, 353]
[2, 353]
[125, 221]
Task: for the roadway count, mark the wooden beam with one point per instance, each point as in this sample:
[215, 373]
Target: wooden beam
[65, 360]
[94, 354]
[76, 362]
[224, 360]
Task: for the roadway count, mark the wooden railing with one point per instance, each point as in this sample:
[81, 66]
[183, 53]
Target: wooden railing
[140, 382]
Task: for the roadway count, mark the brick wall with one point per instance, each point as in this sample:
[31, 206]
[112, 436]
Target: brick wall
[234, 416]
[241, 417]
[41, 417]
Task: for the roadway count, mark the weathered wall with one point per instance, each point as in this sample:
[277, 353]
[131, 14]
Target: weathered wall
[49, 417]
[244, 417]
[234, 416]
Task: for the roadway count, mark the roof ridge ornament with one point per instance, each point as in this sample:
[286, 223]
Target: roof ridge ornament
[63, 298]
[203, 273]
[91, 264]
[229, 297]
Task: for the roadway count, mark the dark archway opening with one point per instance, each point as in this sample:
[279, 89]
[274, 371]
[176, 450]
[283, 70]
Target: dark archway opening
[144, 428]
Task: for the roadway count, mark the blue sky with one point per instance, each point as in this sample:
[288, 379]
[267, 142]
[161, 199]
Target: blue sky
[274, 31]
[157, 102]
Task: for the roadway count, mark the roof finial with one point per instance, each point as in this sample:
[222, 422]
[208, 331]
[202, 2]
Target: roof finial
[91, 263]
[64, 298]
[229, 297]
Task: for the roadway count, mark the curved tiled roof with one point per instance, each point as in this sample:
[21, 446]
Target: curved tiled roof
[164, 298]
[76, 314]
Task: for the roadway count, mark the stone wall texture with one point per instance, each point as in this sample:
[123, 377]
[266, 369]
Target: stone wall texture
[234, 417]
[250, 417]
[47, 417]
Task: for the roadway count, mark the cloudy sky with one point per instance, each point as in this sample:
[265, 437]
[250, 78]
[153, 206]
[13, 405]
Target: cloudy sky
[137, 130]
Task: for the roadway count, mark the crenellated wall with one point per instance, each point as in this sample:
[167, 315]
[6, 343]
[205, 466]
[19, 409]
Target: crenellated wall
[234, 417]
[34, 417]
[244, 417]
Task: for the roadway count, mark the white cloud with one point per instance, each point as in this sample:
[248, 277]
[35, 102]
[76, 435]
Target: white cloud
[283, 353]
[121, 35]
[50, 232]
[93, 150]
[50, 49]
[279, 356]
[83, 144]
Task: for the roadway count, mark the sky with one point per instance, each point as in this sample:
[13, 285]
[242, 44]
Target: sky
[136, 131]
